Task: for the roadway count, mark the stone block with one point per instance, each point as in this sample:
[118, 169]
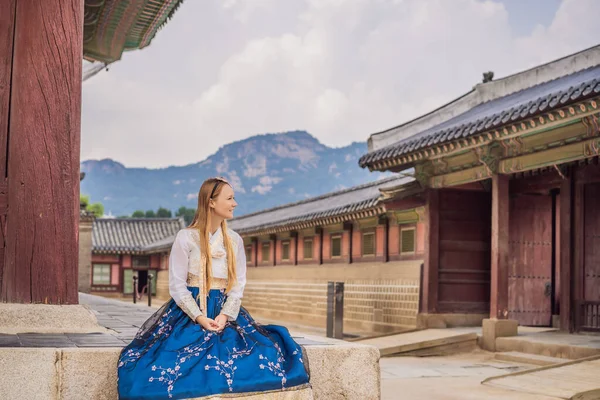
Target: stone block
[493, 328]
[44, 318]
[344, 371]
[89, 373]
[28, 373]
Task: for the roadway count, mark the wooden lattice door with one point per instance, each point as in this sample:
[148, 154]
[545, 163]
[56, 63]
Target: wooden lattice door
[589, 318]
[530, 260]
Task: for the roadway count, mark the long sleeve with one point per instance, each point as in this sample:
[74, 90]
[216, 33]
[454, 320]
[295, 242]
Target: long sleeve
[232, 305]
[178, 270]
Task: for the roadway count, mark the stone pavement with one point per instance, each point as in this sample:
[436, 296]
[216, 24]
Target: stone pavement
[455, 377]
[121, 318]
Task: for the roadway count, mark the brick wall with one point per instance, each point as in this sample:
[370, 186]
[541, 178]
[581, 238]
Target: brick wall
[379, 297]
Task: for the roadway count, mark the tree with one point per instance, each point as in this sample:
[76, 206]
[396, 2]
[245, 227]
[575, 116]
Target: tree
[138, 214]
[97, 209]
[186, 213]
[150, 214]
[163, 213]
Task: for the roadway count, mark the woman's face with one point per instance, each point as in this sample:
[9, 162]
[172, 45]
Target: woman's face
[224, 204]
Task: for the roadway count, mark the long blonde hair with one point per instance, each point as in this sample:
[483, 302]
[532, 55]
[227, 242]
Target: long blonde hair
[202, 222]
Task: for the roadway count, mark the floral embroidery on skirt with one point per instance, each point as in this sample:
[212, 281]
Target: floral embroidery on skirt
[173, 357]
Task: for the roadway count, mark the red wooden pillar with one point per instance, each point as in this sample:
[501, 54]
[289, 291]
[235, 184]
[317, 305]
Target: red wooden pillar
[432, 253]
[41, 124]
[566, 201]
[273, 249]
[500, 233]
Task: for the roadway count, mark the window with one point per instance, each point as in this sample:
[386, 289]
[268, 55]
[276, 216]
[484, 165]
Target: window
[407, 241]
[368, 244]
[266, 251]
[308, 249]
[248, 253]
[285, 251]
[101, 274]
[336, 246]
[140, 261]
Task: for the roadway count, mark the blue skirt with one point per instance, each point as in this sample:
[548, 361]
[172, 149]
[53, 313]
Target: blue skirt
[173, 357]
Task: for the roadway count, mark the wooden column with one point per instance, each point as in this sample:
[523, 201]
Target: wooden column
[349, 228]
[44, 116]
[320, 233]
[432, 253]
[294, 237]
[384, 220]
[273, 239]
[499, 245]
[7, 19]
[565, 244]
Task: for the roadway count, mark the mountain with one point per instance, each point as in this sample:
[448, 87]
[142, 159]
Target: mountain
[265, 170]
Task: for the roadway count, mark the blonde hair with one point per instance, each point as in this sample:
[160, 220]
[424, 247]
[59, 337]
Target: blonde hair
[202, 222]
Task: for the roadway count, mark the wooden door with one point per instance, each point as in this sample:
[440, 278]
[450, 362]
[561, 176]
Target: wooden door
[590, 318]
[530, 260]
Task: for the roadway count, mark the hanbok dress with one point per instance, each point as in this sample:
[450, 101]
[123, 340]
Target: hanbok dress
[174, 357]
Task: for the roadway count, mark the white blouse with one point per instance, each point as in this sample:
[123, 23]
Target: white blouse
[185, 260]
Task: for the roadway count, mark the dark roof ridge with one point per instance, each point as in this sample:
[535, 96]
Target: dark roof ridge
[323, 196]
[141, 219]
[410, 139]
[478, 88]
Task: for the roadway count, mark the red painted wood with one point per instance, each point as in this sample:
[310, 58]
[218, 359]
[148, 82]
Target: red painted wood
[541, 184]
[499, 247]
[7, 16]
[565, 260]
[530, 260]
[43, 154]
[432, 253]
[464, 251]
[591, 257]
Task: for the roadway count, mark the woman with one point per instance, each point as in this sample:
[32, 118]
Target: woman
[202, 342]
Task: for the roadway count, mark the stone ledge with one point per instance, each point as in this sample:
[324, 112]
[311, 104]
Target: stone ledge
[44, 318]
[339, 370]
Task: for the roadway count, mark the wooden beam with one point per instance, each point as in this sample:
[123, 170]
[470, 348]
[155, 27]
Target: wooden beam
[499, 244]
[432, 253]
[558, 155]
[536, 184]
[566, 240]
[43, 154]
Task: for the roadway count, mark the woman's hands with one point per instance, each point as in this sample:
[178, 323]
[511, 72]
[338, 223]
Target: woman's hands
[221, 321]
[207, 323]
[213, 325]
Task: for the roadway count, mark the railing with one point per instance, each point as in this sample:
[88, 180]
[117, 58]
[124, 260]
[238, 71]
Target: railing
[589, 316]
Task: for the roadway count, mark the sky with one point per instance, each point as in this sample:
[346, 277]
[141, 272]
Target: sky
[224, 70]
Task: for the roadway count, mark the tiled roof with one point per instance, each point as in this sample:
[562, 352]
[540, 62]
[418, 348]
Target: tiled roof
[495, 113]
[134, 235]
[348, 201]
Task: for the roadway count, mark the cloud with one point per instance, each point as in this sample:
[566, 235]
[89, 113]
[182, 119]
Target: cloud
[341, 69]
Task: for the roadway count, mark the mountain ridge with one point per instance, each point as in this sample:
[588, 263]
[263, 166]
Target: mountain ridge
[266, 170]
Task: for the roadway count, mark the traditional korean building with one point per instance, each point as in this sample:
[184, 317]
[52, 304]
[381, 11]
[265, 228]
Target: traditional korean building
[347, 236]
[126, 247]
[510, 181]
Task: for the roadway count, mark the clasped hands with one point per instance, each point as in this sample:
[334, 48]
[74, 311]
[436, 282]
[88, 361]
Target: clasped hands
[213, 325]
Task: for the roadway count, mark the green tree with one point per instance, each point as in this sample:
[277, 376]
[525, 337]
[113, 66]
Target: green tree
[150, 214]
[186, 213]
[97, 209]
[84, 200]
[163, 213]
[138, 214]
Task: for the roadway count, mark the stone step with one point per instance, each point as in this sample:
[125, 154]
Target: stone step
[525, 358]
[412, 342]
